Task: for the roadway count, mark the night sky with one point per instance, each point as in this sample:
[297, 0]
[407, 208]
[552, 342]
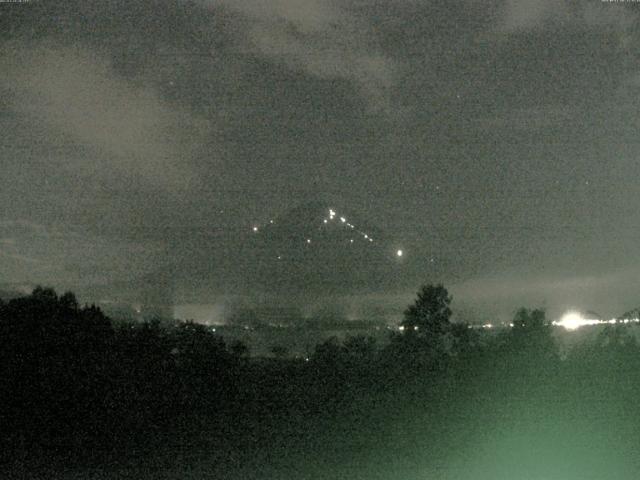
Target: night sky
[494, 142]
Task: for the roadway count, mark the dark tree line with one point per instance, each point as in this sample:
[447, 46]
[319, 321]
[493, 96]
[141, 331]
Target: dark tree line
[71, 380]
[76, 385]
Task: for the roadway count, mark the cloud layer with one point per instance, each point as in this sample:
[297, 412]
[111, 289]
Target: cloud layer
[320, 37]
[484, 136]
[106, 125]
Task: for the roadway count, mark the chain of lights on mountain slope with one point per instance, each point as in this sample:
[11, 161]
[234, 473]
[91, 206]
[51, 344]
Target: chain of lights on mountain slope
[342, 220]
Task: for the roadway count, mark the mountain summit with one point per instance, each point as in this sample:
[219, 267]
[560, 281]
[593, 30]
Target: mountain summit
[319, 247]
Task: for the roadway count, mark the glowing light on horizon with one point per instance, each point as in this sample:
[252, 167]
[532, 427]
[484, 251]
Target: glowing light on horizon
[573, 320]
[255, 229]
[399, 253]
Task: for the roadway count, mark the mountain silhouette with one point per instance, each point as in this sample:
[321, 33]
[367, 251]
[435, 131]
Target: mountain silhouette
[316, 246]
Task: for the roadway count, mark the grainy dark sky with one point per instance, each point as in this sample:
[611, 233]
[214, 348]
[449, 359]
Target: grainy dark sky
[496, 141]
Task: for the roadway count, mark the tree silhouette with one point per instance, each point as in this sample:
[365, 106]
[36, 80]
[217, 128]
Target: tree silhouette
[328, 352]
[423, 341]
[462, 339]
[360, 348]
[54, 362]
[239, 349]
[616, 337]
[68, 301]
[44, 294]
[430, 314]
[526, 320]
[531, 333]
[280, 352]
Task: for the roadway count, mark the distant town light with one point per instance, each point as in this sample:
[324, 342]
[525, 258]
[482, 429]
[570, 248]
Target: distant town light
[573, 320]
[399, 253]
[255, 229]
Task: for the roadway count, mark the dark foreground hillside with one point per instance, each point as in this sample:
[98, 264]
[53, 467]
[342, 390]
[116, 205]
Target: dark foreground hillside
[82, 399]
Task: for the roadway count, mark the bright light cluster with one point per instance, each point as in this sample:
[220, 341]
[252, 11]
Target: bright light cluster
[573, 320]
[343, 220]
[332, 216]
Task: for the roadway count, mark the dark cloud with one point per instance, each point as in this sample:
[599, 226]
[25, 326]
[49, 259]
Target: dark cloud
[522, 15]
[492, 140]
[122, 131]
[323, 39]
